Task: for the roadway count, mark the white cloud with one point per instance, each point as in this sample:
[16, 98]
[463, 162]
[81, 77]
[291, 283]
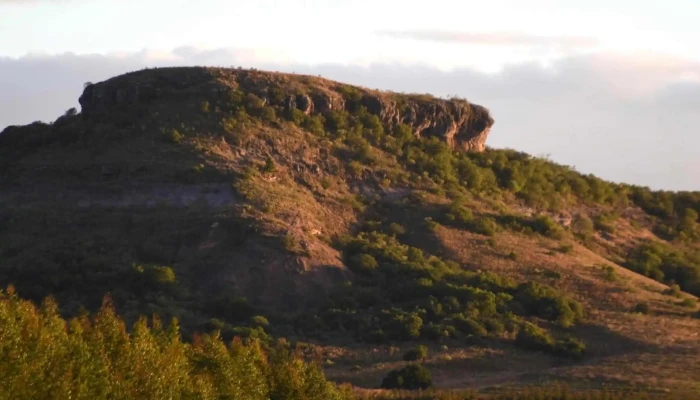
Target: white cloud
[625, 117]
[494, 38]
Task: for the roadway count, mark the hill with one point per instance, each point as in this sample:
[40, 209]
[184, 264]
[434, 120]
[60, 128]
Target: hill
[357, 224]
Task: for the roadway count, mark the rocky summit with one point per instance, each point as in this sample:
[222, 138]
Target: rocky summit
[462, 125]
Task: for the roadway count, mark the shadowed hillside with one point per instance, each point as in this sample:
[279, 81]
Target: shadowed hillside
[358, 225]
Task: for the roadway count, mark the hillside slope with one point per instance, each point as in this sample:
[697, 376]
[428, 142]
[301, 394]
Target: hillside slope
[365, 222]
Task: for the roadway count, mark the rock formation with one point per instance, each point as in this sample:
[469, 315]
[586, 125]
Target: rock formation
[461, 124]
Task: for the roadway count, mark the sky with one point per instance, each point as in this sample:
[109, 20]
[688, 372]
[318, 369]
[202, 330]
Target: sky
[611, 88]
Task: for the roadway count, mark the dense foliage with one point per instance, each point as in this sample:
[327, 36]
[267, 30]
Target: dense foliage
[404, 294]
[666, 264]
[43, 356]
[411, 377]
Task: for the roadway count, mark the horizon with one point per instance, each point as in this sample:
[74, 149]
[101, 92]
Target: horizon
[562, 81]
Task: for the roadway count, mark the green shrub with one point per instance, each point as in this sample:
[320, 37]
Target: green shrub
[156, 277]
[420, 353]
[432, 226]
[268, 114]
[315, 124]
[494, 326]
[173, 136]
[546, 226]
[292, 244]
[411, 377]
[484, 226]
[570, 347]
[260, 321]
[566, 248]
[531, 336]
[605, 222]
[609, 273]
[404, 326]
[162, 275]
[688, 303]
[469, 327]
[269, 165]
[674, 290]
[459, 213]
[397, 229]
[583, 227]
[665, 264]
[364, 263]
[545, 302]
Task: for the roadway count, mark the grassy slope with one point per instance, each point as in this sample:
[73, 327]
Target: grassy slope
[274, 242]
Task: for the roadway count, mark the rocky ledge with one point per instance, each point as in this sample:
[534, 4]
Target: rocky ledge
[458, 122]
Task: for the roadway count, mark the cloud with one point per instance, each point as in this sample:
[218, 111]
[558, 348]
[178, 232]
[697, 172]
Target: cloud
[31, 1]
[510, 39]
[629, 118]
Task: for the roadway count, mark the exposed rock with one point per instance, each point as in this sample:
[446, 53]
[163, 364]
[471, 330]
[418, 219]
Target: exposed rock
[290, 103]
[323, 102]
[305, 104]
[461, 124]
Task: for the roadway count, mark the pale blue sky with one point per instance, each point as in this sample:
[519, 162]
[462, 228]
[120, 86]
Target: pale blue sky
[611, 87]
[339, 31]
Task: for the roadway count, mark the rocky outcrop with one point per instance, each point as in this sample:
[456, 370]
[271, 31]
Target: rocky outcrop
[461, 124]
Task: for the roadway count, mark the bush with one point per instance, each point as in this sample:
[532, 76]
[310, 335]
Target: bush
[674, 290]
[609, 273]
[688, 303]
[605, 222]
[260, 321]
[397, 229]
[364, 263]
[162, 275]
[665, 264]
[546, 226]
[470, 327]
[432, 226]
[420, 353]
[484, 226]
[412, 377]
[545, 302]
[458, 212]
[173, 136]
[566, 248]
[269, 165]
[494, 326]
[532, 337]
[583, 227]
[570, 347]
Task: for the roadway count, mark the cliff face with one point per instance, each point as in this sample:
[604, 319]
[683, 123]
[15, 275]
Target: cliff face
[463, 125]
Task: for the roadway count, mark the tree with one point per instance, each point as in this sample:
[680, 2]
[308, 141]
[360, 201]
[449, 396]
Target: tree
[411, 377]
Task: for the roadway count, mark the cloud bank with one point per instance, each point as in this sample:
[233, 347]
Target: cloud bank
[494, 38]
[628, 118]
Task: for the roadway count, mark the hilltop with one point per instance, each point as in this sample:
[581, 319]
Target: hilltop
[357, 224]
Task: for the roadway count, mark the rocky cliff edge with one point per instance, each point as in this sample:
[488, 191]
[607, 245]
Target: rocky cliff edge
[461, 124]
